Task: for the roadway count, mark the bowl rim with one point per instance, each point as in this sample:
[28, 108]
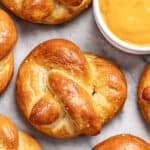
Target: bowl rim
[112, 38]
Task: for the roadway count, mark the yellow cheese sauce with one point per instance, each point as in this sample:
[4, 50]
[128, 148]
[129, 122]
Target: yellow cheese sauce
[128, 19]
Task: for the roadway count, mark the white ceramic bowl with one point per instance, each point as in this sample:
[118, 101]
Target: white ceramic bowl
[112, 38]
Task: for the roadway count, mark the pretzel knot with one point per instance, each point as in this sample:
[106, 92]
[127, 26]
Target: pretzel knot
[123, 142]
[64, 92]
[144, 93]
[47, 11]
[13, 139]
[8, 37]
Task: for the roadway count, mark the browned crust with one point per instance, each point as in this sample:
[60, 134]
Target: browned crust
[5, 76]
[8, 36]
[12, 139]
[123, 142]
[144, 93]
[47, 11]
[82, 91]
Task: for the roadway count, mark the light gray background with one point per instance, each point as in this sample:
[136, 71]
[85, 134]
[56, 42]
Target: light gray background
[84, 32]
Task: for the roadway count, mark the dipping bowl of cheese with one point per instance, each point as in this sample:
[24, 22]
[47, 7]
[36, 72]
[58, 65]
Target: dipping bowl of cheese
[125, 23]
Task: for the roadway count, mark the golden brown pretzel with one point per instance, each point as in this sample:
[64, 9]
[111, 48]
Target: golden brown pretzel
[12, 139]
[46, 11]
[144, 93]
[65, 92]
[123, 142]
[8, 37]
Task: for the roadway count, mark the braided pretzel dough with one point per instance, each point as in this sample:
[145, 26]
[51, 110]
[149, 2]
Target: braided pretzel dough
[64, 92]
[8, 37]
[123, 142]
[12, 139]
[46, 11]
[144, 93]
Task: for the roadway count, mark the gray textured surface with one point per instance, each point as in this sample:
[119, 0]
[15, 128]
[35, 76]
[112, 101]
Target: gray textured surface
[85, 34]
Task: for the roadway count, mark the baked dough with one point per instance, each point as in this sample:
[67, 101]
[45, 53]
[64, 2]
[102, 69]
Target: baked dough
[123, 142]
[12, 139]
[65, 92]
[144, 93]
[46, 11]
[8, 37]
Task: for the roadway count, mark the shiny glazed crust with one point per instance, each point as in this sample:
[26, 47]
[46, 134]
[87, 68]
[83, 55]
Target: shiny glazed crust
[123, 142]
[8, 37]
[12, 139]
[46, 11]
[144, 93]
[65, 92]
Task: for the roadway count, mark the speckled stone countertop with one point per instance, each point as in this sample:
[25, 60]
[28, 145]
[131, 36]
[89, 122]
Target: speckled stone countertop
[84, 32]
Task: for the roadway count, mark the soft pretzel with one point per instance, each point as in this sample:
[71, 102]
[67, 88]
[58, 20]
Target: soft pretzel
[46, 11]
[12, 139]
[144, 93]
[8, 37]
[123, 142]
[65, 92]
